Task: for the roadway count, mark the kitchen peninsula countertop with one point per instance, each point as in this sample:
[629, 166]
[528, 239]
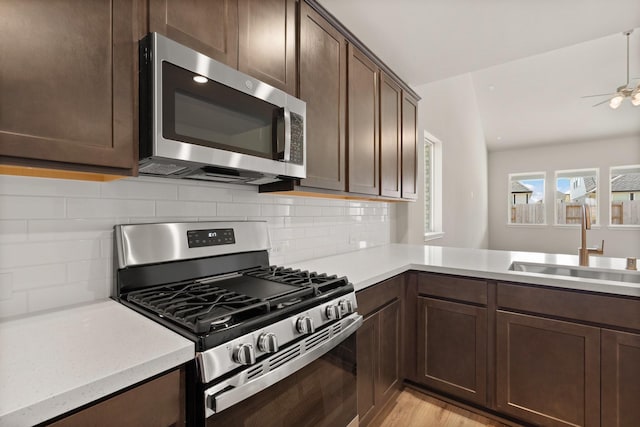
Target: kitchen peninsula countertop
[55, 362]
[369, 266]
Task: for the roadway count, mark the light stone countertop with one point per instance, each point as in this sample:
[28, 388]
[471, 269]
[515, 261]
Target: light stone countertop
[54, 362]
[366, 267]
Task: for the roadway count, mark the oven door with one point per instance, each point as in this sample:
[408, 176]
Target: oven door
[311, 382]
[323, 393]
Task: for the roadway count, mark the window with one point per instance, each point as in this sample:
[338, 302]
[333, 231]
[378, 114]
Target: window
[625, 195]
[526, 198]
[573, 189]
[432, 187]
[428, 185]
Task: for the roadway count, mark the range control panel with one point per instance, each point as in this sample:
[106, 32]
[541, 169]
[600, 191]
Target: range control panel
[212, 237]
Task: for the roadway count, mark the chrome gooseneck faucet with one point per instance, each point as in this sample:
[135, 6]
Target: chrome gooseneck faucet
[584, 250]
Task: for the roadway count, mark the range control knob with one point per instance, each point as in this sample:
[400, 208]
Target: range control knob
[346, 306]
[268, 342]
[304, 325]
[244, 354]
[333, 312]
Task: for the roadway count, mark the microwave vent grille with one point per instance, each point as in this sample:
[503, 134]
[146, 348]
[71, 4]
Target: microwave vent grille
[160, 168]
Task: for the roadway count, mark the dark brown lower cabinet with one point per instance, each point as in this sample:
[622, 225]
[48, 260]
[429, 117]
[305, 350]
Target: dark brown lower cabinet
[548, 371]
[452, 348]
[159, 402]
[620, 379]
[379, 342]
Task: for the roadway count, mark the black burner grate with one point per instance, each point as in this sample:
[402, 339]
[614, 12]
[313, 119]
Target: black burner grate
[217, 303]
[198, 306]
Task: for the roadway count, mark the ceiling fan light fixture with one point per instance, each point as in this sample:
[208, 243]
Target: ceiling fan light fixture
[616, 101]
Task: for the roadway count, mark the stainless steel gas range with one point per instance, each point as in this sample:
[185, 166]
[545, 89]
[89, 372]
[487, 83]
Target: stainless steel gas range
[261, 332]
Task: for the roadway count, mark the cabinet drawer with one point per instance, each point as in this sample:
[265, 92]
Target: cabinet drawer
[376, 296]
[601, 309]
[453, 287]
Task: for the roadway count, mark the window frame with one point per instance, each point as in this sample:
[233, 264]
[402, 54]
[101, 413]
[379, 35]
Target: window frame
[597, 222]
[435, 196]
[635, 167]
[531, 175]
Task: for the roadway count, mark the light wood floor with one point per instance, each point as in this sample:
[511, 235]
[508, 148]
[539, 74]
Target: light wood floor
[414, 409]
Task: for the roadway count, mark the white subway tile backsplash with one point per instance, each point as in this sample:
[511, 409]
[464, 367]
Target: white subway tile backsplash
[13, 231]
[202, 194]
[132, 189]
[275, 210]
[6, 285]
[238, 209]
[185, 209]
[22, 207]
[78, 271]
[69, 294]
[307, 210]
[14, 306]
[109, 208]
[24, 254]
[56, 236]
[28, 186]
[39, 276]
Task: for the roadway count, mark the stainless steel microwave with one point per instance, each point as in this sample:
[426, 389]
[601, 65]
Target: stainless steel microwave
[200, 119]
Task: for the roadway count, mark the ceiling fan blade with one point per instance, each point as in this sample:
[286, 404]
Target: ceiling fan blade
[600, 103]
[602, 94]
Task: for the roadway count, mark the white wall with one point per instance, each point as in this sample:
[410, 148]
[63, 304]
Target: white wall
[448, 111]
[56, 245]
[620, 242]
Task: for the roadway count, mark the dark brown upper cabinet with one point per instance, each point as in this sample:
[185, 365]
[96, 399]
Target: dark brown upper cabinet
[323, 85]
[409, 147]
[258, 37]
[68, 84]
[364, 116]
[390, 136]
[208, 26]
[267, 41]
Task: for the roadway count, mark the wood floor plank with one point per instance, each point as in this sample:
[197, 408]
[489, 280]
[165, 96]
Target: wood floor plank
[414, 409]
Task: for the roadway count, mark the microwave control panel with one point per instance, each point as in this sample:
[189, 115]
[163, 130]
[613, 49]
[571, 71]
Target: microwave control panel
[297, 139]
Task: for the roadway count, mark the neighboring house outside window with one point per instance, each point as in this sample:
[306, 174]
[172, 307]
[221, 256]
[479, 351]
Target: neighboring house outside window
[526, 198]
[573, 189]
[625, 196]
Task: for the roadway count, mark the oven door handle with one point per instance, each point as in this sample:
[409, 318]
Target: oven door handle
[229, 392]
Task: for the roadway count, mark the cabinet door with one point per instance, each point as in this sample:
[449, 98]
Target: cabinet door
[364, 150]
[548, 371]
[367, 350]
[67, 81]
[409, 148]
[389, 380]
[452, 348]
[390, 131]
[159, 402]
[267, 41]
[620, 379]
[323, 85]
[208, 26]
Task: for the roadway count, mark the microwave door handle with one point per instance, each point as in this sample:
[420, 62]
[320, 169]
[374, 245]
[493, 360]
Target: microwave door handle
[287, 135]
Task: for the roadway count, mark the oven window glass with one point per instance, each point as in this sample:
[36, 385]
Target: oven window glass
[214, 115]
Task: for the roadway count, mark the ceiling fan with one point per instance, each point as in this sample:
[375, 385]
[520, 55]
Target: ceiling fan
[624, 91]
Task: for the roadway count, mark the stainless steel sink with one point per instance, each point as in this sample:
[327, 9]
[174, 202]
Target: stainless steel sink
[584, 272]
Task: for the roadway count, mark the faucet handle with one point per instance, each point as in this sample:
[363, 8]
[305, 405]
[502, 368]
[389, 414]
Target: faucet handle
[597, 251]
